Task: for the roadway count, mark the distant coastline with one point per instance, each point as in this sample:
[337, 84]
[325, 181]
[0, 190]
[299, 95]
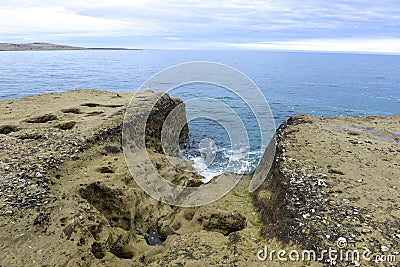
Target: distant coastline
[38, 46]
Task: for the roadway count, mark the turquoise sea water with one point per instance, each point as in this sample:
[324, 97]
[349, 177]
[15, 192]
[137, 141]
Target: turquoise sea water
[326, 84]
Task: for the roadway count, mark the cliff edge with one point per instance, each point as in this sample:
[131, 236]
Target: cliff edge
[335, 184]
[68, 199]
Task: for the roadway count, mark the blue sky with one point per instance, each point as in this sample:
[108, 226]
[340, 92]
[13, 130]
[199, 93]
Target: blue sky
[366, 26]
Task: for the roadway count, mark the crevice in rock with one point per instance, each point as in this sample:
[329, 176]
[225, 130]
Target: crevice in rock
[90, 105]
[222, 222]
[109, 202]
[6, 129]
[97, 250]
[67, 125]
[94, 113]
[118, 244]
[112, 106]
[105, 169]
[32, 136]
[42, 119]
[71, 110]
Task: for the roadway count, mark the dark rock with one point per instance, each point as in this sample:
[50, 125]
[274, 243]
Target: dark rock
[68, 230]
[154, 239]
[234, 237]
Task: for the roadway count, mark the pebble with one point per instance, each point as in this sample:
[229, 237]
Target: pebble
[23, 184]
[366, 231]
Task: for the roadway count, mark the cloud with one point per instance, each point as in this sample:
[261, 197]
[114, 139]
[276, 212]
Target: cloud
[334, 45]
[201, 22]
[52, 19]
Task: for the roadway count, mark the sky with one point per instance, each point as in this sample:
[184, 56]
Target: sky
[361, 26]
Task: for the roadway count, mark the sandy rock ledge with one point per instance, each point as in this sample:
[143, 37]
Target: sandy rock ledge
[68, 199]
[335, 178]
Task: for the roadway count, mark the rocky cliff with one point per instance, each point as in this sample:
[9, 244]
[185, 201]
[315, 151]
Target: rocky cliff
[68, 198]
[40, 46]
[335, 179]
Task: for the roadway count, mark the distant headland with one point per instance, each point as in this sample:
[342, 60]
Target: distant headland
[39, 46]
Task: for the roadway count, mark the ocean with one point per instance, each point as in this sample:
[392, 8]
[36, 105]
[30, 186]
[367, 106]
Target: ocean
[324, 84]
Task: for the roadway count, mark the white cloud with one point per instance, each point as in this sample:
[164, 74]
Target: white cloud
[59, 21]
[391, 45]
[55, 19]
[75, 3]
[202, 22]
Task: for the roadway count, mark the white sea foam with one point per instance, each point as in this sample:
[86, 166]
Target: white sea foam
[239, 161]
[205, 171]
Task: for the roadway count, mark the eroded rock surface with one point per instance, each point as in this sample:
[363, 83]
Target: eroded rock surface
[335, 178]
[68, 198]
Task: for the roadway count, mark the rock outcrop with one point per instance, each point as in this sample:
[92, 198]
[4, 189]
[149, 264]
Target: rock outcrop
[335, 179]
[40, 46]
[68, 198]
